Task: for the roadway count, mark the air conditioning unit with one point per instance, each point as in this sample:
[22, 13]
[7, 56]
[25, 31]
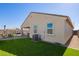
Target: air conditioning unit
[36, 37]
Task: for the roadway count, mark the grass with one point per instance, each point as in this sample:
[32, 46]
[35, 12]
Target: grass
[23, 47]
[4, 53]
[71, 52]
[27, 47]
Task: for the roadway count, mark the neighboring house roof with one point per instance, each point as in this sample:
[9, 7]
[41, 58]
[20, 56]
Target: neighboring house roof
[10, 31]
[68, 18]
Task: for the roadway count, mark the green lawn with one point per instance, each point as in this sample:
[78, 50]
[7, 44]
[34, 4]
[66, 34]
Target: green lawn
[27, 47]
[71, 52]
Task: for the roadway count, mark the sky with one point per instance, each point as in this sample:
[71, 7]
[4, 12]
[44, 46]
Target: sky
[13, 15]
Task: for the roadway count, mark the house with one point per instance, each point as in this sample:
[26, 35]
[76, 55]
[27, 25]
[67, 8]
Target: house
[1, 33]
[10, 31]
[78, 33]
[15, 32]
[51, 27]
[6, 32]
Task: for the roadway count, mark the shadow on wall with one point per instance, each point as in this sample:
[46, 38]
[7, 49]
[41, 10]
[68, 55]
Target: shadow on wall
[27, 47]
[68, 42]
[74, 33]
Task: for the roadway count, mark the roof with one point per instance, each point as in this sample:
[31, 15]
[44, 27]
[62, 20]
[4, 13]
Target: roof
[49, 14]
[68, 18]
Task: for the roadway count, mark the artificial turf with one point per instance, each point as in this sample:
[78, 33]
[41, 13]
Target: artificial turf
[28, 47]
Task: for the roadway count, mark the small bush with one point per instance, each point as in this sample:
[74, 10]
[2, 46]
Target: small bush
[10, 35]
[3, 35]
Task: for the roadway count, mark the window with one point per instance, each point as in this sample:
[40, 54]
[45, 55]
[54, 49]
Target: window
[35, 29]
[50, 28]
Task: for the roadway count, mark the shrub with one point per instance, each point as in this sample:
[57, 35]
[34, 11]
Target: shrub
[10, 35]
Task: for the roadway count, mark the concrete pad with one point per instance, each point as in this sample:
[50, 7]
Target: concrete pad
[74, 43]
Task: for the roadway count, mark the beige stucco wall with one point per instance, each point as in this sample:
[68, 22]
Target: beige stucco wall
[68, 31]
[41, 21]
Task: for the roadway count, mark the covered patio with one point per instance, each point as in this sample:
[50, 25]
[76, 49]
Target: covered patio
[25, 31]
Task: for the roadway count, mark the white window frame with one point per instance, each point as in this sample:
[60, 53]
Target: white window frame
[52, 28]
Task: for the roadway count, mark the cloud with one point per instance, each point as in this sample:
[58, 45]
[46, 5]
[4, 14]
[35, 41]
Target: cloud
[76, 27]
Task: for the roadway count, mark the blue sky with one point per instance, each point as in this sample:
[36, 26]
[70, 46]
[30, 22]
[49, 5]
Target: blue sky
[13, 15]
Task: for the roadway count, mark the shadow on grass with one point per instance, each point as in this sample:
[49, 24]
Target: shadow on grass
[26, 47]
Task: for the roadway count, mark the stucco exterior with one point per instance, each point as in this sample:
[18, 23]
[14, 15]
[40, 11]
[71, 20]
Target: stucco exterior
[62, 26]
[68, 31]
